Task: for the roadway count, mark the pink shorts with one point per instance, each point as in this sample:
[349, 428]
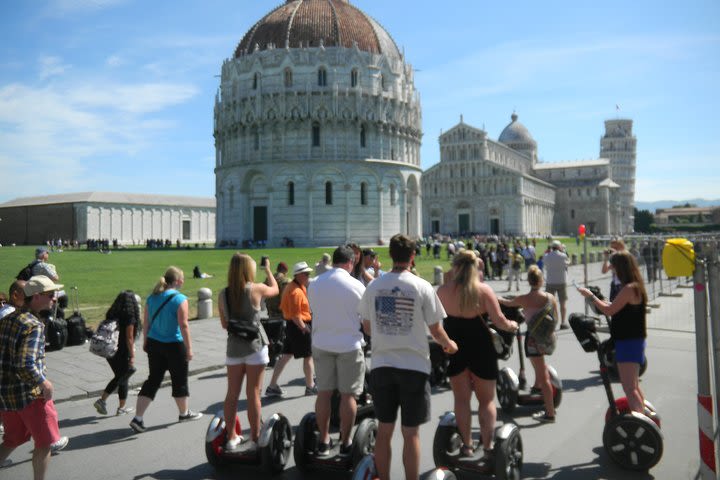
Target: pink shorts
[38, 420]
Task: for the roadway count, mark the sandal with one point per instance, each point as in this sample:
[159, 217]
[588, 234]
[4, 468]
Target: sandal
[467, 451]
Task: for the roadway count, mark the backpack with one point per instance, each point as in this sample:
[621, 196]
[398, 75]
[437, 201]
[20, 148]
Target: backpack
[105, 340]
[26, 272]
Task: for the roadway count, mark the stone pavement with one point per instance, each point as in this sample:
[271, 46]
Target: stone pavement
[78, 374]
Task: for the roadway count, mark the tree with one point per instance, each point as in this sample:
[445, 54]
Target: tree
[715, 215]
[643, 221]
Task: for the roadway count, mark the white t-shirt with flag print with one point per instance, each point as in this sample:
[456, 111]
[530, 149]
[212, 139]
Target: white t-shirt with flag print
[400, 307]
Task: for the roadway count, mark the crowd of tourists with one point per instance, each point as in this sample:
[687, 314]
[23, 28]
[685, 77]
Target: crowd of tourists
[328, 320]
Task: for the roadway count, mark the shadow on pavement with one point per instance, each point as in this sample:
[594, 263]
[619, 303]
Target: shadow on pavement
[601, 467]
[577, 385]
[104, 437]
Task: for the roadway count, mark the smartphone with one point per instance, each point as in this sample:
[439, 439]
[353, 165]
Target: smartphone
[263, 261]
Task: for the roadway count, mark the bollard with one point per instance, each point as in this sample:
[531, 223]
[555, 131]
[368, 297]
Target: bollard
[591, 257]
[438, 276]
[582, 258]
[204, 306]
[574, 259]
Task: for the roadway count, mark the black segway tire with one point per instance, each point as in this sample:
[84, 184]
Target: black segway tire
[509, 456]
[276, 454]
[633, 441]
[305, 441]
[364, 440]
[643, 367]
[506, 393]
[446, 445]
[335, 409]
[365, 470]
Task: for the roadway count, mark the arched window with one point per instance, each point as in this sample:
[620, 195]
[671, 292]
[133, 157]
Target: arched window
[392, 154]
[363, 136]
[382, 81]
[572, 213]
[322, 77]
[231, 198]
[354, 77]
[328, 193]
[393, 199]
[256, 81]
[363, 193]
[256, 140]
[316, 134]
[288, 77]
[291, 193]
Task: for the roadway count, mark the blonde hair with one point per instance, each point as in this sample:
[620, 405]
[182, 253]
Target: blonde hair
[172, 275]
[240, 273]
[467, 279]
[534, 276]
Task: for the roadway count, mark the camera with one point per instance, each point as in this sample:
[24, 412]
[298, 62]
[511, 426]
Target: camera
[264, 261]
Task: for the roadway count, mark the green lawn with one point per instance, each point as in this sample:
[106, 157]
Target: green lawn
[100, 277]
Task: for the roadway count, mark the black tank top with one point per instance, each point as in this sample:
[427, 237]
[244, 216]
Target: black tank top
[629, 323]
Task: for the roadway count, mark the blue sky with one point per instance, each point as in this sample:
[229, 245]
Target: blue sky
[117, 95]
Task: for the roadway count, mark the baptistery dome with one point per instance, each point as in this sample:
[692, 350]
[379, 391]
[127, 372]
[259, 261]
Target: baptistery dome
[315, 23]
[317, 131]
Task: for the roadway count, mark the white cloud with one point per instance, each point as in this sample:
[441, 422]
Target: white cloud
[70, 131]
[114, 61]
[73, 6]
[51, 66]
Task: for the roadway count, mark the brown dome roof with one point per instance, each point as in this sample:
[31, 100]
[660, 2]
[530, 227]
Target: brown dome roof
[334, 23]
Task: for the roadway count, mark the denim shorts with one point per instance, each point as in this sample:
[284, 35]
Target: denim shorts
[630, 351]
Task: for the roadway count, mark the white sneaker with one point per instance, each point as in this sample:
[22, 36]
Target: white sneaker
[59, 445]
[124, 410]
[234, 444]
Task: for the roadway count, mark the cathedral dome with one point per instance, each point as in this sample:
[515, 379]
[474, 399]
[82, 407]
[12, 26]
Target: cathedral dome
[312, 23]
[516, 133]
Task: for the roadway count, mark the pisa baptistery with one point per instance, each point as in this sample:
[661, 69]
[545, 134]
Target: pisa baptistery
[317, 131]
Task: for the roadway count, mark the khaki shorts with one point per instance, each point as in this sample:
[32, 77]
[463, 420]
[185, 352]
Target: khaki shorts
[344, 371]
[558, 288]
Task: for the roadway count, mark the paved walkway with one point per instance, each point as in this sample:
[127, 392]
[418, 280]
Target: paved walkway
[78, 374]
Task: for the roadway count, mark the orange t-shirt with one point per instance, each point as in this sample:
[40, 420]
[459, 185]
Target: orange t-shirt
[294, 302]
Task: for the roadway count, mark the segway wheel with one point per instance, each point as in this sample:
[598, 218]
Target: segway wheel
[633, 441]
[276, 454]
[365, 470]
[506, 392]
[624, 407]
[305, 441]
[556, 386]
[509, 456]
[643, 367]
[557, 396]
[364, 440]
[215, 439]
[446, 445]
[440, 474]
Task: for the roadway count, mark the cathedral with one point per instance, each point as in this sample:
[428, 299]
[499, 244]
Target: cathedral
[318, 126]
[317, 131]
[499, 187]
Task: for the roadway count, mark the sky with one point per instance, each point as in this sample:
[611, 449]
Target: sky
[118, 95]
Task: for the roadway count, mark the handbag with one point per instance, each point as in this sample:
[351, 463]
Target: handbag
[502, 341]
[541, 331]
[247, 330]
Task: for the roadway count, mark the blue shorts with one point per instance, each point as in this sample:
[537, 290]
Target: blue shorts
[632, 350]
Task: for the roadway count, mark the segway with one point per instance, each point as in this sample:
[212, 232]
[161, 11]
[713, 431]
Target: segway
[366, 470]
[633, 440]
[273, 446]
[365, 406]
[607, 347]
[508, 450]
[307, 441]
[510, 386]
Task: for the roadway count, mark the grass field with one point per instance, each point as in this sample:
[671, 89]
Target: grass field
[100, 277]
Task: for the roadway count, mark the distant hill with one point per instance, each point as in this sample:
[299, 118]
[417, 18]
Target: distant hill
[652, 206]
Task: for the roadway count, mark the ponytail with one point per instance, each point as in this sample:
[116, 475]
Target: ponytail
[467, 279]
[172, 275]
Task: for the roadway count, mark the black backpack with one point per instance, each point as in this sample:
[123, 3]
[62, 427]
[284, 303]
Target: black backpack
[26, 272]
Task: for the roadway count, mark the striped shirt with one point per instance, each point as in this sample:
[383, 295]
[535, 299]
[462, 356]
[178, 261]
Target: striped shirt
[22, 360]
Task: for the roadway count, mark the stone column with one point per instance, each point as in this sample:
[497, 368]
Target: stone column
[311, 227]
[348, 189]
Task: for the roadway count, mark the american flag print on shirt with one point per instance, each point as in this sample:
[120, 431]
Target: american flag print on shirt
[394, 312]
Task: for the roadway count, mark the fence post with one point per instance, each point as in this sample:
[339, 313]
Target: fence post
[704, 397]
[713, 285]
